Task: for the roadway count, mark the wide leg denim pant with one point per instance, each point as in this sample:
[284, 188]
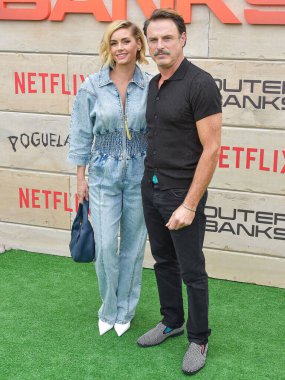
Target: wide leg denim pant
[116, 206]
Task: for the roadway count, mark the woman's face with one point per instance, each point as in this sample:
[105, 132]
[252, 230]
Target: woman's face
[124, 46]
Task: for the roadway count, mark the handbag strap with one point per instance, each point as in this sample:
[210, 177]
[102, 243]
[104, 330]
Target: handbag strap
[85, 209]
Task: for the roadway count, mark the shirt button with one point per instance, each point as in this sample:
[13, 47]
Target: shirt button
[155, 116]
[154, 152]
[157, 98]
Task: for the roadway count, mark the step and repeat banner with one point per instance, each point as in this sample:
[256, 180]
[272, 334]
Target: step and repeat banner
[48, 48]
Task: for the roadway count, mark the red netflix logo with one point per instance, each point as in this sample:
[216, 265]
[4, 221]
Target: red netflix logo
[249, 158]
[34, 83]
[46, 199]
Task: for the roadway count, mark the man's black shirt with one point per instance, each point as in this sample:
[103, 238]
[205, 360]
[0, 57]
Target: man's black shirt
[174, 148]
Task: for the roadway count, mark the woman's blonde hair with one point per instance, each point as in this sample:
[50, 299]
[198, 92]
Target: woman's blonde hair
[105, 47]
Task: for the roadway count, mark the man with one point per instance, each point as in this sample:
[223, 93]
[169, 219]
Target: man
[184, 120]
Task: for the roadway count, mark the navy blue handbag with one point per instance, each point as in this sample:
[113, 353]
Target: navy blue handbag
[82, 244]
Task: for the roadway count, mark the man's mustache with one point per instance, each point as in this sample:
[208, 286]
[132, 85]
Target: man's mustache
[161, 51]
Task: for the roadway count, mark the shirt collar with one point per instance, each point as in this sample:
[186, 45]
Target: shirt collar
[179, 73]
[104, 77]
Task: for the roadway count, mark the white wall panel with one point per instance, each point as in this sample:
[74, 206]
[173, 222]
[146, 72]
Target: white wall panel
[239, 266]
[244, 267]
[34, 83]
[33, 141]
[35, 239]
[228, 265]
[246, 222]
[253, 91]
[246, 41]
[35, 199]
[81, 34]
[251, 160]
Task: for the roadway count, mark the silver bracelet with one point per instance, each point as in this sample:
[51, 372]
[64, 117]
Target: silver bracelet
[188, 208]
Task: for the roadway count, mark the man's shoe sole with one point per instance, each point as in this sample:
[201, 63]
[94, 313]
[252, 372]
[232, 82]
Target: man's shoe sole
[152, 345]
[192, 373]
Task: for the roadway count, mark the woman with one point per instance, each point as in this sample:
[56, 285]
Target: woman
[109, 113]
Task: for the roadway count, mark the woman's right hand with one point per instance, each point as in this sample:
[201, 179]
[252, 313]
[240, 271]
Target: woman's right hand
[82, 185]
[82, 189]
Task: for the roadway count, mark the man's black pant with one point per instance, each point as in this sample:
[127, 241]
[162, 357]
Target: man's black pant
[178, 256]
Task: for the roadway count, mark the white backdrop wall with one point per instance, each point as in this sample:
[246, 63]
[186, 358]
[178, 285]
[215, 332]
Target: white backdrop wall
[43, 63]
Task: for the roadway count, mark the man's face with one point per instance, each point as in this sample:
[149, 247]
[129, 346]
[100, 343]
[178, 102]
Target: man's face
[165, 43]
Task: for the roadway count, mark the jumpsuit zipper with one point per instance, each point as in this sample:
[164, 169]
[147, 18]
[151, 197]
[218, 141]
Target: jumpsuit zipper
[127, 127]
[126, 131]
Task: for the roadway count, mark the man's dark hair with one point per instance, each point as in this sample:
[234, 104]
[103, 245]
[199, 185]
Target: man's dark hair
[166, 14]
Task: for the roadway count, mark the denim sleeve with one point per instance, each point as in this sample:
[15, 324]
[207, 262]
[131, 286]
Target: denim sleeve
[81, 128]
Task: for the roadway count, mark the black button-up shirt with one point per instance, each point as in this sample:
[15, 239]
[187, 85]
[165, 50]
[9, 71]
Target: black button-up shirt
[174, 148]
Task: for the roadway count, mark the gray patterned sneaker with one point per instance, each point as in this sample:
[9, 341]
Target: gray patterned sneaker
[195, 358]
[158, 335]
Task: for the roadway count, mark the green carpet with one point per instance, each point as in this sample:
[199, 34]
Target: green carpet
[48, 328]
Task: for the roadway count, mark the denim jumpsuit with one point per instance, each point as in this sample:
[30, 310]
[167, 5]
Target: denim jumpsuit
[112, 141]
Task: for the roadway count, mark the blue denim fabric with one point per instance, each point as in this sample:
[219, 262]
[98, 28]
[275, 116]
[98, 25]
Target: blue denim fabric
[98, 138]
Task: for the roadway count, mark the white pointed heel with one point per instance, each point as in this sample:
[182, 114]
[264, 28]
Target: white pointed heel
[121, 329]
[104, 327]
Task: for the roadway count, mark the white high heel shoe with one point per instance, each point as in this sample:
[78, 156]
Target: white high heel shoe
[104, 327]
[121, 329]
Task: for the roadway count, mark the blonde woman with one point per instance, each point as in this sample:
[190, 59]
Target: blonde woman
[108, 133]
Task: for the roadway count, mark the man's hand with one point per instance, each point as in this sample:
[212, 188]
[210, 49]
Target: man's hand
[82, 190]
[180, 218]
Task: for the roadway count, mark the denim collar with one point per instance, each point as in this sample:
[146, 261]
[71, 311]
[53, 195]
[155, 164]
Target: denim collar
[104, 77]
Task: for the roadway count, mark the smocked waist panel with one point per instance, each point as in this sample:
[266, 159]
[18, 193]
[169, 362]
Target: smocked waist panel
[117, 145]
